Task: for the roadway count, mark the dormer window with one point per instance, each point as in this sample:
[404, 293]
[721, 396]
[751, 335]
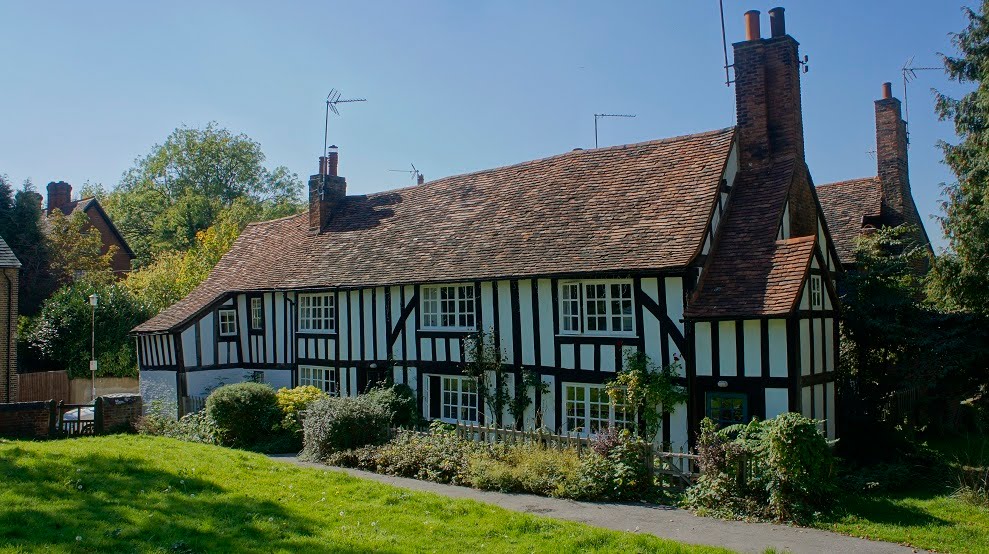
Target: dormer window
[596, 307]
[448, 307]
[228, 323]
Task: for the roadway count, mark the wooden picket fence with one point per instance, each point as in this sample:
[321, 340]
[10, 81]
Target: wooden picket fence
[677, 470]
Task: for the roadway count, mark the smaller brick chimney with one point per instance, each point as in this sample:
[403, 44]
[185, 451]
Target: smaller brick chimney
[59, 194]
[326, 191]
[420, 179]
[891, 158]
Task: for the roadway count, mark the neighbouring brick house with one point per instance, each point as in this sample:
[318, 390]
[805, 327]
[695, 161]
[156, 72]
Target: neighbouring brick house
[855, 206]
[708, 251]
[10, 267]
[60, 198]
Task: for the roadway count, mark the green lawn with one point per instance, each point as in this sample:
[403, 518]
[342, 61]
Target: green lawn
[927, 517]
[146, 494]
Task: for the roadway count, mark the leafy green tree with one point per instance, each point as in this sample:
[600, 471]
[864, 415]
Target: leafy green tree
[173, 275]
[61, 332]
[184, 184]
[961, 276]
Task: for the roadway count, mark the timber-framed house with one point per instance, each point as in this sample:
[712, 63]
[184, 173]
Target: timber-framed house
[710, 249]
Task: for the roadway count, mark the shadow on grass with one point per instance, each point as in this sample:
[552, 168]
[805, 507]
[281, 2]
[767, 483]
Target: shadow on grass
[887, 509]
[115, 502]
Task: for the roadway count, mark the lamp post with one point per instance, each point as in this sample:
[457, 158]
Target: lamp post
[93, 301]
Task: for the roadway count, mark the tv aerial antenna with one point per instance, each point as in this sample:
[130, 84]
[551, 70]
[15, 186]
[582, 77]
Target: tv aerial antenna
[909, 75]
[415, 173]
[332, 99]
[598, 116]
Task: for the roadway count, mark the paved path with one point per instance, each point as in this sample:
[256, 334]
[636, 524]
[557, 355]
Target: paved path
[662, 521]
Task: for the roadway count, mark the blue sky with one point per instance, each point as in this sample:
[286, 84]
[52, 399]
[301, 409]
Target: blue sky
[451, 86]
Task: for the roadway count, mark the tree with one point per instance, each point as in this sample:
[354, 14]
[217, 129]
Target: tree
[21, 228]
[961, 276]
[61, 333]
[173, 275]
[183, 186]
[75, 248]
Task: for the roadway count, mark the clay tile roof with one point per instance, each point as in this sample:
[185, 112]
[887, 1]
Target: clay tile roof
[636, 207]
[751, 273]
[845, 205]
[7, 257]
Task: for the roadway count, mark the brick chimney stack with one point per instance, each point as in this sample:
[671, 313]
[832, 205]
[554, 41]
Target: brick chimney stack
[767, 93]
[327, 191]
[59, 194]
[891, 158]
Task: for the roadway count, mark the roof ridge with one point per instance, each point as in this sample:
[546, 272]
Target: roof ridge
[574, 153]
[849, 181]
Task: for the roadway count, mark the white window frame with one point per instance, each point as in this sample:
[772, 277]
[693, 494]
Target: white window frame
[437, 311]
[588, 410]
[816, 292]
[458, 398]
[326, 379]
[226, 319]
[566, 303]
[257, 313]
[325, 313]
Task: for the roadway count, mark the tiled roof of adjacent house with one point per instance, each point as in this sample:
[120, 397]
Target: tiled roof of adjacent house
[7, 257]
[751, 273]
[845, 205]
[637, 207]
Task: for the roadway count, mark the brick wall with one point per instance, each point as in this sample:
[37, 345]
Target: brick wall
[27, 419]
[117, 413]
[803, 208]
[8, 335]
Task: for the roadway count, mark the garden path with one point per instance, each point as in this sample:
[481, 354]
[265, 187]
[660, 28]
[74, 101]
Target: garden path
[662, 521]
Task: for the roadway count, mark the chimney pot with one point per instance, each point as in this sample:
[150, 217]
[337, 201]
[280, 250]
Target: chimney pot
[887, 91]
[752, 31]
[777, 23]
[420, 179]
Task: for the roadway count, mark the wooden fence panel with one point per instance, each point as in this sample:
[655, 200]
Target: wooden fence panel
[43, 385]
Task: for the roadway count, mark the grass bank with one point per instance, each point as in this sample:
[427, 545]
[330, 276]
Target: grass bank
[150, 494]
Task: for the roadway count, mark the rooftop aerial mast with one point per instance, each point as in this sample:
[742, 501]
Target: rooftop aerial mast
[332, 99]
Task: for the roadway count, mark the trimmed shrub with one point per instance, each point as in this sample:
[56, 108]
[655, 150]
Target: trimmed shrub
[336, 424]
[399, 401]
[244, 413]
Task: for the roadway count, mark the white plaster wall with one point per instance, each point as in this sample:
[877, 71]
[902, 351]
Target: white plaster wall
[752, 334]
[158, 392]
[777, 348]
[201, 383]
[727, 355]
[702, 342]
[777, 402]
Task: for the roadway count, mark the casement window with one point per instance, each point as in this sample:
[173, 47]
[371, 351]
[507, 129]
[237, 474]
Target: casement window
[317, 313]
[588, 409]
[228, 322]
[816, 292]
[458, 399]
[257, 314]
[727, 408]
[596, 307]
[448, 307]
[325, 379]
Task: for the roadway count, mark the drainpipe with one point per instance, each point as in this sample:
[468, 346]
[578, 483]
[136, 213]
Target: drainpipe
[10, 319]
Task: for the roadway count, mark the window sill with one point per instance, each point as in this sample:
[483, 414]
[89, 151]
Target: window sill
[625, 335]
